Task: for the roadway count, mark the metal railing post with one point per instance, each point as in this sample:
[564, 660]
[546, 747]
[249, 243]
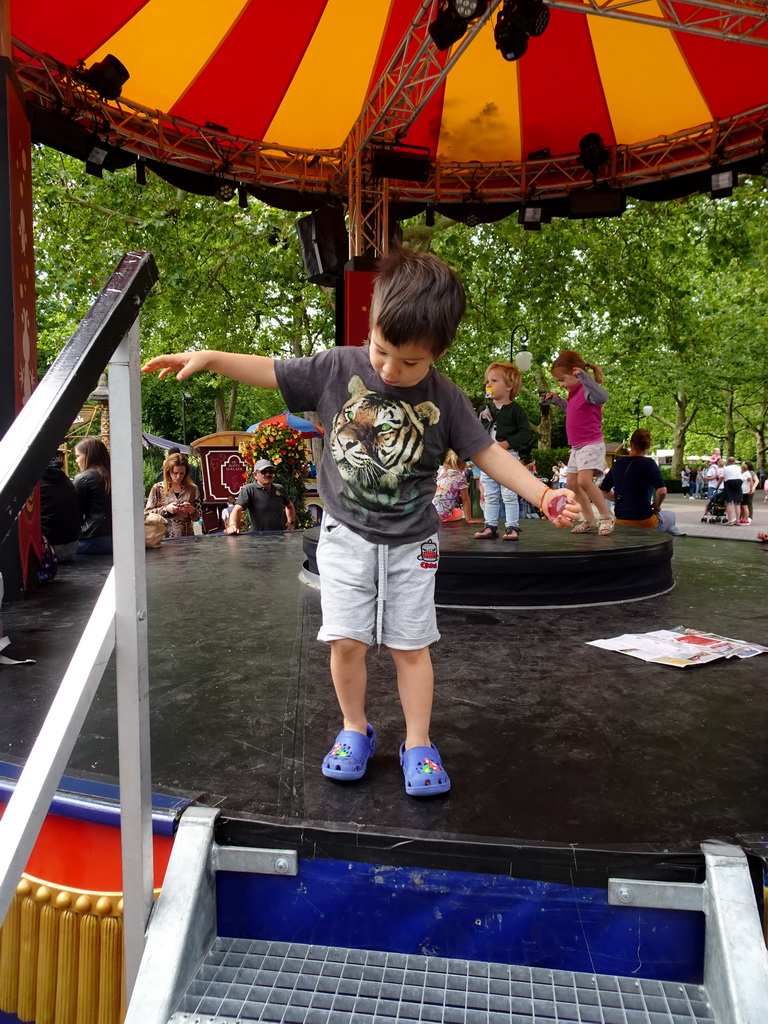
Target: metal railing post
[131, 648]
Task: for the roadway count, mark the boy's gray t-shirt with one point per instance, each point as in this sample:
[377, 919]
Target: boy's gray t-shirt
[377, 474]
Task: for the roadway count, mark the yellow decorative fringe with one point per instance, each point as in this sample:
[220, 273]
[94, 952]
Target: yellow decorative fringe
[61, 955]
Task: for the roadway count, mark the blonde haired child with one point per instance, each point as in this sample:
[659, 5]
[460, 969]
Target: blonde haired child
[450, 484]
[507, 424]
[584, 429]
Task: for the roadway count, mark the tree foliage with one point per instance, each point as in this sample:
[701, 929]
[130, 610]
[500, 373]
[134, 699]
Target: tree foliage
[669, 299]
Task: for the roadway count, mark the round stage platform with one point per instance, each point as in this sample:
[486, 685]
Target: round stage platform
[546, 568]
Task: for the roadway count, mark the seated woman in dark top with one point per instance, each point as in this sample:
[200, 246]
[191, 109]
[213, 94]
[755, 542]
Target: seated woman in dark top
[59, 511]
[637, 487]
[177, 498]
[93, 488]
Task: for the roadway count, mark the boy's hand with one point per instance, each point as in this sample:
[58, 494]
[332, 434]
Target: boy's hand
[561, 516]
[259, 371]
[181, 363]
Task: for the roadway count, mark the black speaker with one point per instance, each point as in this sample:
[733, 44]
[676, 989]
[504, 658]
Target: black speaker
[324, 244]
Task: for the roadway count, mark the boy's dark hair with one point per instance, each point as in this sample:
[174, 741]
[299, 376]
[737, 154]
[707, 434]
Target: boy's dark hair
[417, 298]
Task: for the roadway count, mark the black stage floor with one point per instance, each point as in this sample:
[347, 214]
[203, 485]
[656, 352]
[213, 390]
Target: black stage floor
[547, 740]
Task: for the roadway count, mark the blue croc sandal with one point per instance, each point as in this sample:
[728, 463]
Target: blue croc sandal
[348, 757]
[423, 771]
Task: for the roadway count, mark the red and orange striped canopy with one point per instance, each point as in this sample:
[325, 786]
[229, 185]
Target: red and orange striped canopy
[286, 94]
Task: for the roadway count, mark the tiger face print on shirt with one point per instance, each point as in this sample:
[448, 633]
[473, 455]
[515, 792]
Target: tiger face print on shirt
[377, 442]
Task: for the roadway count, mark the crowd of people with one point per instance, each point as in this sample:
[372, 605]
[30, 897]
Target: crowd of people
[734, 481]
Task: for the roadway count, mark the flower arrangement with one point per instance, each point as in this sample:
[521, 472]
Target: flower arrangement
[288, 453]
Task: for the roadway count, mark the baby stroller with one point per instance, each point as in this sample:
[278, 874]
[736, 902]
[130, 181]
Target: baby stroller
[715, 509]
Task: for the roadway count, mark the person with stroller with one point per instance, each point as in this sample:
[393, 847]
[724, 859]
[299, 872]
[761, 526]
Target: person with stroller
[732, 483]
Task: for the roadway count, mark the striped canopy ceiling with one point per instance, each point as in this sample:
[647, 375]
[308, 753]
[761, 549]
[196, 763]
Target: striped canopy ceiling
[281, 87]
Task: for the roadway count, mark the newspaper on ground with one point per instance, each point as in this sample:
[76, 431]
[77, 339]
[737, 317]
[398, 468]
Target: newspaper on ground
[681, 647]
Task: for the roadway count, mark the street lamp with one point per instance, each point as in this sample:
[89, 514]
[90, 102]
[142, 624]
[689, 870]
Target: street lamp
[647, 410]
[523, 358]
[186, 397]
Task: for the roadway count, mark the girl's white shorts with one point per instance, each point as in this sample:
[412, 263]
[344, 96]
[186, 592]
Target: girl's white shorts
[589, 456]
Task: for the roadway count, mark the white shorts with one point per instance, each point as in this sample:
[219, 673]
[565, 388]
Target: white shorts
[589, 456]
[374, 590]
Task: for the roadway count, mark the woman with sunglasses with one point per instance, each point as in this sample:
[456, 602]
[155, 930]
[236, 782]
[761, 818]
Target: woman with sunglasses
[265, 502]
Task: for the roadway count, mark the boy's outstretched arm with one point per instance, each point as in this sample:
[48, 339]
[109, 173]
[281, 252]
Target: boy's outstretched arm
[258, 371]
[511, 473]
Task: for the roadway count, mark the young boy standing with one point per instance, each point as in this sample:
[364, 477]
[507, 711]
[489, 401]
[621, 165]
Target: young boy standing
[388, 415]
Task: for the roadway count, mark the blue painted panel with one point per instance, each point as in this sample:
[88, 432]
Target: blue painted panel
[94, 801]
[462, 914]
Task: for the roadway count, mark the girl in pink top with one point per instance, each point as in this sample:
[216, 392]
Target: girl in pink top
[584, 429]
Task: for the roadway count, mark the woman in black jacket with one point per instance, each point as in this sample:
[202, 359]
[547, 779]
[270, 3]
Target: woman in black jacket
[93, 488]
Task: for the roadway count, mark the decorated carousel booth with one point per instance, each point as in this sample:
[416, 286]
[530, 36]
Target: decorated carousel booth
[601, 856]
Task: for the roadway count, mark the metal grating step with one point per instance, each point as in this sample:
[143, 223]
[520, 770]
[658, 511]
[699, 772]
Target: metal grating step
[291, 983]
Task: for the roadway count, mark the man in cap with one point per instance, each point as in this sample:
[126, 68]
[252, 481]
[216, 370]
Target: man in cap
[265, 502]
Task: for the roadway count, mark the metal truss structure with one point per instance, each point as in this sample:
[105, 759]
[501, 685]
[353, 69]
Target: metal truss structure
[411, 78]
[719, 19]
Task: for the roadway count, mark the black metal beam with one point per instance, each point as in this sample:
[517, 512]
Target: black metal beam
[42, 424]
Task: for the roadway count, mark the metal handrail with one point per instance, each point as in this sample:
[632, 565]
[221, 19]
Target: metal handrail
[110, 329]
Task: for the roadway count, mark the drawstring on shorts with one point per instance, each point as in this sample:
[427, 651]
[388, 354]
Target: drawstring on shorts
[381, 596]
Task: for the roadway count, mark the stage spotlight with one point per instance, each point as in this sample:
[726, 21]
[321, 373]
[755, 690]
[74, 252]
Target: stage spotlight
[470, 9]
[535, 15]
[141, 172]
[106, 77]
[242, 196]
[531, 217]
[511, 40]
[97, 154]
[593, 153]
[224, 191]
[722, 183]
[518, 21]
[448, 27]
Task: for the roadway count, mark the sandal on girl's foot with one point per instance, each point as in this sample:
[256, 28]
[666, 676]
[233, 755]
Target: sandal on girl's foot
[488, 532]
[348, 757]
[512, 533]
[423, 771]
[585, 526]
[606, 525]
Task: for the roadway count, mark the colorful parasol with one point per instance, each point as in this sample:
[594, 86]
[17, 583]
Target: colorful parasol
[287, 419]
[296, 102]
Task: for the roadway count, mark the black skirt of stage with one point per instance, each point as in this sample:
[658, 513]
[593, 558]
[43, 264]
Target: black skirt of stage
[547, 740]
[546, 568]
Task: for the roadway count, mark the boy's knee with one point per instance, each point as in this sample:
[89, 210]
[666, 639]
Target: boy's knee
[347, 648]
[408, 657]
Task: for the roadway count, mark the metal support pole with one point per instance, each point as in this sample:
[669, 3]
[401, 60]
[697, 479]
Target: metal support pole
[131, 648]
